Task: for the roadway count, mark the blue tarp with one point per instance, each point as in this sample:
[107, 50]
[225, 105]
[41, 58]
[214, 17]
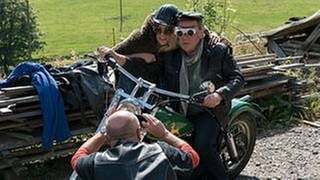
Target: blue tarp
[55, 122]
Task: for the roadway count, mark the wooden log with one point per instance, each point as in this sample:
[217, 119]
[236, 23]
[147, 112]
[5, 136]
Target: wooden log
[25, 99]
[289, 58]
[274, 47]
[21, 115]
[313, 37]
[265, 85]
[289, 66]
[312, 65]
[311, 123]
[298, 45]
[259, 77]
[17, 89]
[258, 73]
[247, 58]
[256, 61]
[314, 54]
[257, 69]
[266, 92]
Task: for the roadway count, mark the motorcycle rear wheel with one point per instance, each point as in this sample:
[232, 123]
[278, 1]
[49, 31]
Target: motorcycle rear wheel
[243, 128]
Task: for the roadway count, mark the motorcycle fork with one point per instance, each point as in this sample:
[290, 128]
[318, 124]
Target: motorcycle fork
[231, 146]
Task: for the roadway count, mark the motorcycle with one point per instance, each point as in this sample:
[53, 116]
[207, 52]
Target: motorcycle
[237, 140]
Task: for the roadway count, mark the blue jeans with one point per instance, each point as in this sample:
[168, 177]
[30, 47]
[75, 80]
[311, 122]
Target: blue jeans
[207, 130]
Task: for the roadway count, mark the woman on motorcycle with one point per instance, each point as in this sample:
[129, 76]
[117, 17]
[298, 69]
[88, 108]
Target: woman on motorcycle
[156, 35]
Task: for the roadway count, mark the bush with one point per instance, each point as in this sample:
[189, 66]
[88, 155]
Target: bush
[218, 14]
[19, 34]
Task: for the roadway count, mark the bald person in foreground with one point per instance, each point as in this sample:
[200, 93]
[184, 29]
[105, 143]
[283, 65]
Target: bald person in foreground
[127, 157]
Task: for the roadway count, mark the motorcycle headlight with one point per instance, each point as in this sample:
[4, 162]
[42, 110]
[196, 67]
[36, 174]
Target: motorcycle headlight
[129, 105]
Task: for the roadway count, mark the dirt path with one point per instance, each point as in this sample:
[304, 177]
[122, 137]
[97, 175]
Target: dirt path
[292, 153]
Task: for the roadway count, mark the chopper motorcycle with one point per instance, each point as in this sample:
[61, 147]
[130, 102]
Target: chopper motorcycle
[237, 139]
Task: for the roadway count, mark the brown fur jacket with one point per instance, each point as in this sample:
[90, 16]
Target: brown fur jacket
[142, 40]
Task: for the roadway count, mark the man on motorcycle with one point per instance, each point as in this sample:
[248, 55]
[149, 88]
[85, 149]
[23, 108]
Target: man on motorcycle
[130, 158]
[184, 70]
[204, 62]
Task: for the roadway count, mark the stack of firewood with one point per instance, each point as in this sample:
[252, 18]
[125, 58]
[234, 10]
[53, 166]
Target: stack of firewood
[264, 74]
[293, 47]
[21, 126]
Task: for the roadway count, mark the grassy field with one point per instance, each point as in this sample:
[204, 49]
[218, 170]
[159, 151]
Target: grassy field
[81, 26]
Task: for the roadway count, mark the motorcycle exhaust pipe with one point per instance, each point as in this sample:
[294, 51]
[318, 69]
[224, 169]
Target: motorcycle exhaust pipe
[232, 147]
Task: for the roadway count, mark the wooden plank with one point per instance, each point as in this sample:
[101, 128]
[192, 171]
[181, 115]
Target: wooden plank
[265, 85]
[275, 48]
[25, 99]
[314, 54]
[21, 115]
[313, 124]
[270, 92]
[289, 66]
[313, 37]
[246, 58]
[254, 78]
[313, 65]
[256, 61]
[289, 58]
[298, 45]
[259, 68]
[18, 89]
[245, 55]
[293, 27]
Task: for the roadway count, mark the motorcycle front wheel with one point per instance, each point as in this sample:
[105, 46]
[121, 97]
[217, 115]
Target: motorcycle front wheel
[243, 129]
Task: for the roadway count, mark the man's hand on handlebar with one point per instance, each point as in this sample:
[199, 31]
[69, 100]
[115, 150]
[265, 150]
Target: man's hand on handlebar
[212, 100]
[105, 51]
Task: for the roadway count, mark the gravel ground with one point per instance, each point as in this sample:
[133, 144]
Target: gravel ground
[292, 153]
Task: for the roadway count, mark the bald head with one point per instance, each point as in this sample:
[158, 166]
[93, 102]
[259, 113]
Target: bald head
[122, 125]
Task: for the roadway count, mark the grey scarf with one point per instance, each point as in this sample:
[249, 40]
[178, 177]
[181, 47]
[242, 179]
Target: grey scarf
[183, 76]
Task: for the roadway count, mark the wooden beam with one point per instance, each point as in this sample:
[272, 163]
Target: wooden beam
[256, 61]
[313, 37]
[25, 99]
[275, 48]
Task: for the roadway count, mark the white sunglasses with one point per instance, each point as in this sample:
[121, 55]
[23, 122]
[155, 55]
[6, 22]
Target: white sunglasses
[179, 32]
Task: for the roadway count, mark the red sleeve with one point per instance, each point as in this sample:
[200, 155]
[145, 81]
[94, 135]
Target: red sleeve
[194, 155]
[81, 152]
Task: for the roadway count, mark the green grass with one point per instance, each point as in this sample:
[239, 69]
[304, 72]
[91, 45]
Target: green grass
[82, 26]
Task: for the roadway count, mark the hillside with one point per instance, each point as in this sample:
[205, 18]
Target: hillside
[81, 26]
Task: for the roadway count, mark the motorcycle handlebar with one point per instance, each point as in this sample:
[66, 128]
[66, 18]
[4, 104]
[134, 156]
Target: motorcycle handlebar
[143, 83]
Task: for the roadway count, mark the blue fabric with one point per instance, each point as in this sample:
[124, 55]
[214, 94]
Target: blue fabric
[55, 121]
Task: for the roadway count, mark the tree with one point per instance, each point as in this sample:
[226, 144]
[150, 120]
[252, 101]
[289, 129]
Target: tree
[19, 33]
[218, 14]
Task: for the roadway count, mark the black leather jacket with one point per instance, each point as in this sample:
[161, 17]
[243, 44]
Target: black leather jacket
[217, 65]
[135, 161]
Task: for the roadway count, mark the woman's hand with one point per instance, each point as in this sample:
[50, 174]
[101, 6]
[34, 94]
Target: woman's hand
[105, 51]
